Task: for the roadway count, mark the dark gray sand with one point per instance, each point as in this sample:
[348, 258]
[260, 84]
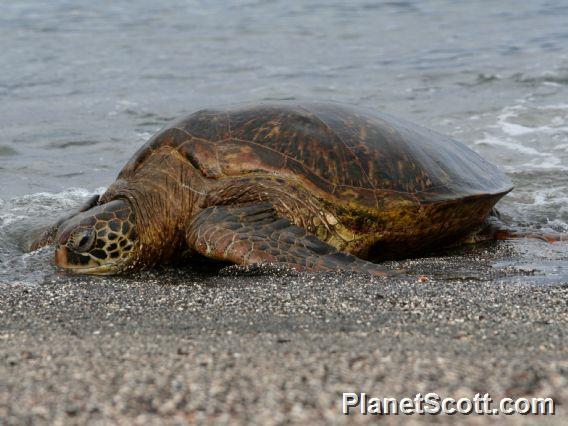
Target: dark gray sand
[176, 346]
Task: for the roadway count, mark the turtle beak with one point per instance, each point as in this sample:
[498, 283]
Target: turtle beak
[61, 256]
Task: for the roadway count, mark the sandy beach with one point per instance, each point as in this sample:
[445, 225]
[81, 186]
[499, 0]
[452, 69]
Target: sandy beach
[177, 347]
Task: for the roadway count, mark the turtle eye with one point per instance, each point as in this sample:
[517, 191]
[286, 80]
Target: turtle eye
[82, 240]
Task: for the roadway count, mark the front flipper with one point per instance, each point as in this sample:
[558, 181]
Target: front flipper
[254, 234]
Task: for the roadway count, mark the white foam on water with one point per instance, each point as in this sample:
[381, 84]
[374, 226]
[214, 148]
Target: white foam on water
[544, 206]
[69, 196]
[562, 147]
[558, 224]
[535, 135]
[556, 124]
[553, 164]
[511, 128]
[509, 144]
[19, 217]
[550, 196]
[144, 136]
[22, 207]
[532, 142]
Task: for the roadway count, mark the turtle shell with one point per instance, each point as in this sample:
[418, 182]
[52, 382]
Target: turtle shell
[343, 151]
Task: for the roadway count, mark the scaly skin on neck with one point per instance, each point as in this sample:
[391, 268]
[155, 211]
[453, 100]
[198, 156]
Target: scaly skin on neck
[164, 194]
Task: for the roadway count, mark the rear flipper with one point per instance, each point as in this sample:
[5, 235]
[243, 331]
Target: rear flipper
[254, 235]
[494, 229]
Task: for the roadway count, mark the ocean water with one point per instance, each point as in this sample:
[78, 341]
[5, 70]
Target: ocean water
[83, 85]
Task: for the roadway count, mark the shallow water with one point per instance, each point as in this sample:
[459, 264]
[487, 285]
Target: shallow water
[83, 86]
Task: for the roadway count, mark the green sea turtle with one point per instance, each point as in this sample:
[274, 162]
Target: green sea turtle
[314, 187]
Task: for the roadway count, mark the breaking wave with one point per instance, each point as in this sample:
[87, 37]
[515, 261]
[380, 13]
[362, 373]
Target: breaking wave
[535, 137]
[531, 142]
[20, 219]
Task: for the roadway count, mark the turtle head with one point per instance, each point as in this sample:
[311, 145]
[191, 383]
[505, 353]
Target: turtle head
[101, 241]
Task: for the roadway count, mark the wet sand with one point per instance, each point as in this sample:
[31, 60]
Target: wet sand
[176, 346]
